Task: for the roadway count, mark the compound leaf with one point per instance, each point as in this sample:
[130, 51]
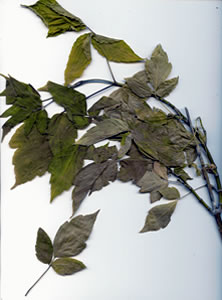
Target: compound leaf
[79, 58]
[159, 217]
[67, 266]
[114, 50]
[43, 247]
[71, 237]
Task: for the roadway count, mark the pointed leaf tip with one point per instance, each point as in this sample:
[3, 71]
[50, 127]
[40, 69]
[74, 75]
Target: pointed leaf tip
[159, 217]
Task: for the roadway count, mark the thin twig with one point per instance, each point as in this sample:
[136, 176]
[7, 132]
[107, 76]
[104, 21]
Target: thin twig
[190, 188]
[48, 104]
[47, 99]
[203, 145]
[204, 171]
[26, 294]
[95, 80]
[110, 70]
[196, 189]
[99, 91]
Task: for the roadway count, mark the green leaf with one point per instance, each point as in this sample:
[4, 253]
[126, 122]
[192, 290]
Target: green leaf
[79, 58]
[71, 237]
[103, 103]
[182, 174]
[32, 157]
[166, 87]
[198, 170]
[103, 130]
[163, 138]
[67, 266]
[42, 121]
[158, 67]
[126, 143]
[92, 178]
[29, 123]
[151, 182]
[40, 118]
[141, 89]
[114, 50]
[159, 217]
[64, 167]
[101, 154]
[43, 247]
[24, 99]
[170, 193]
[73, 102]
[62, 133]
[15, 89]
[55, 17]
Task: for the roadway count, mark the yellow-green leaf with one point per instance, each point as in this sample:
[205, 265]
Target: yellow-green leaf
[170, 193]
[114, 50]
[55, 17]
[67, 266]
[79, 58]
[64, 167]
[62, 133]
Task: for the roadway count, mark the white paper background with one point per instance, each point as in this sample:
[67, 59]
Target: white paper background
[182, 261]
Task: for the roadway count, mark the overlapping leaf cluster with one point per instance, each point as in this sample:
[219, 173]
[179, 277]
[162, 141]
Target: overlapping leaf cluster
[151, 142]
[70, 240]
